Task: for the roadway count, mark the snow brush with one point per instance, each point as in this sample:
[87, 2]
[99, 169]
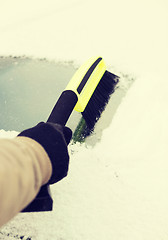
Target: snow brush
[87, 92]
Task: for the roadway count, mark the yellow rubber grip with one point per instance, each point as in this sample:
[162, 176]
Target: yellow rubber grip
[85, 81]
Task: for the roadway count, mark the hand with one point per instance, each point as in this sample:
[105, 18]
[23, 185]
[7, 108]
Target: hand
[54, 138]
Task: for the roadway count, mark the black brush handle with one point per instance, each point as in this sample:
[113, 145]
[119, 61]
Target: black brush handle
[63, 107]
[43, 201]
[60, 114]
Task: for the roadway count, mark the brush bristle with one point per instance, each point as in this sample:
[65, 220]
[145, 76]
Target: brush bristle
[99, 100]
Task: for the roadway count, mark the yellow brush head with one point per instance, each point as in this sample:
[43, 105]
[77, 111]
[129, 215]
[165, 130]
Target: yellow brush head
[85, 81]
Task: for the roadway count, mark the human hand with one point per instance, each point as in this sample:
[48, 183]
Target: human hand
[54, 138]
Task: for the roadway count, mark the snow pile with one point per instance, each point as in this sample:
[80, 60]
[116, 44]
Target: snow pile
[118, 189]
[8, 134]
[128, 34]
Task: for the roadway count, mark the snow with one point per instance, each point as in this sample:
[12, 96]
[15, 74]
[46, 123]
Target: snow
[117, 189]
[8, 134]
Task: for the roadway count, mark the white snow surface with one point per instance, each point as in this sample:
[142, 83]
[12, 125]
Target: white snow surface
[119, 188]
